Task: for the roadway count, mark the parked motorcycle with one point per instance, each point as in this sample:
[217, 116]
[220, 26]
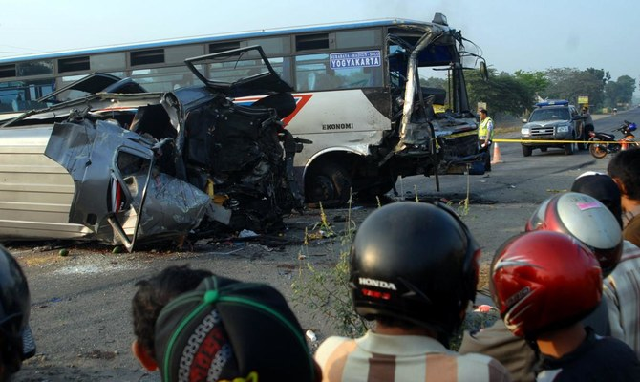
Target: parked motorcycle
[601, 150]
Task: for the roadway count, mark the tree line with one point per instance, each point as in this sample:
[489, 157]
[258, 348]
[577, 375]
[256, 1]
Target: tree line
[516, 94]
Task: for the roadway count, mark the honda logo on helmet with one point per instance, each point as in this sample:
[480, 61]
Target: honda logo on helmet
[376, 283]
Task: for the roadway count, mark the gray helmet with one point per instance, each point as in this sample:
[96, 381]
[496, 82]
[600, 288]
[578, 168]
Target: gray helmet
[416, 262]
[587, 220]
[601, 187]
[15, 309]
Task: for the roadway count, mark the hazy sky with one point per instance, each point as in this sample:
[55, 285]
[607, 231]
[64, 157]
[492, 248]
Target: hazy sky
[513, 34]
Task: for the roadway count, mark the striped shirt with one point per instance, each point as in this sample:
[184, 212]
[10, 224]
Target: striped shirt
[622, 290]
[394, 358]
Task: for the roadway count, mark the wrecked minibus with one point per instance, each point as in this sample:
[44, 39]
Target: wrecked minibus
[146, 167]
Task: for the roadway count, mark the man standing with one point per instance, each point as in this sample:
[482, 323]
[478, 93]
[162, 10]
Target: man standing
[485, 137]
[624, 169]
[414, 269]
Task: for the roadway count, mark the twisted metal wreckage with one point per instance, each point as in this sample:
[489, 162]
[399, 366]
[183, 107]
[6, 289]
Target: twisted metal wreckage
[147, 167]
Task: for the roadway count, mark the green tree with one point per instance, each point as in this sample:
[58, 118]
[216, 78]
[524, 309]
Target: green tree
[620, 91]
[569, 83]
[535, 82]
[503, 93]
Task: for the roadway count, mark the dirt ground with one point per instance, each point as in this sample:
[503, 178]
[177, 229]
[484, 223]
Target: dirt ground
[81, 302]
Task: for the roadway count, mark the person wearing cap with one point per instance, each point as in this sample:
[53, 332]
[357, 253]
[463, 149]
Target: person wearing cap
[16, 342]
[621, 285]
[624, 169]
[223, 330]
[485, 137]
[544, 283]
[153, 295]
[414, 269]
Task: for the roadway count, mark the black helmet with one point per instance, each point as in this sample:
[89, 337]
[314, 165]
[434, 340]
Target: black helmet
[416, 262]
[15, 309]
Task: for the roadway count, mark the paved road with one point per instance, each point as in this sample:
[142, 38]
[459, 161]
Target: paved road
[81, 303]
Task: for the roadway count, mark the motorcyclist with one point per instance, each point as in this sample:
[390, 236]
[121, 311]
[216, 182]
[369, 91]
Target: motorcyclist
[544, 283]
[414, 269]
[587, 220]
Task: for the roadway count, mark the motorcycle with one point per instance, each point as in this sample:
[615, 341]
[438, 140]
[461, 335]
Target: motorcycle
[601, 150]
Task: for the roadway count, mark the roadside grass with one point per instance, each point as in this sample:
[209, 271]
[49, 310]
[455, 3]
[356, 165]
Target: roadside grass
[327, 290]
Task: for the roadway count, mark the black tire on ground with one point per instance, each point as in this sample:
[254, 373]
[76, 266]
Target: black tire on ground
[328, 182]
[526, 151]
[569, 148]
[598, 151]
[583, 138]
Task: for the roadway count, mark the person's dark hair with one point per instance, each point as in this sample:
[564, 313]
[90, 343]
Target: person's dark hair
[483, 111]
[394, 322]
[153, 294]
[625, 166]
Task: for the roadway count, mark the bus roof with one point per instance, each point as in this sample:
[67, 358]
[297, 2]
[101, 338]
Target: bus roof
[220, 37]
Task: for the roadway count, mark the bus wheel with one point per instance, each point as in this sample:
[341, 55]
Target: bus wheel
[329, 182]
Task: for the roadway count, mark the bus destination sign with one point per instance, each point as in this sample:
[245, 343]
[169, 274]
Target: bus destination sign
[355, 60]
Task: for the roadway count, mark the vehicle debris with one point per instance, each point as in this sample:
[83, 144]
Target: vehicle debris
[141, 168]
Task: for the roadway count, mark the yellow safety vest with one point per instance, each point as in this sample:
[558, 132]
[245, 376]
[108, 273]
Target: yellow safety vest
[483, 130]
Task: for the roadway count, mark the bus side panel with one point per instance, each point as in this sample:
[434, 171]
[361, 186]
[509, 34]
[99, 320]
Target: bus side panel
[336, 120]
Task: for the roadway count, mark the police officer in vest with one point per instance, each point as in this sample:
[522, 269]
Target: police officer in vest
[485, 137]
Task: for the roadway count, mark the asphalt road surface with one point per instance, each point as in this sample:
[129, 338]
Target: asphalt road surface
[81, 314]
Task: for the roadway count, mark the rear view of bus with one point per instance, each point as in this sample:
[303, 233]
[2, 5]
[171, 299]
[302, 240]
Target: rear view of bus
[371, 113]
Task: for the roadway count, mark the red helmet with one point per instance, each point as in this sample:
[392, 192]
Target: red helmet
[544, 280]
[587, 220]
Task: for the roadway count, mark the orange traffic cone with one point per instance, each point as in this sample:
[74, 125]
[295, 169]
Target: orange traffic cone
[497, 157]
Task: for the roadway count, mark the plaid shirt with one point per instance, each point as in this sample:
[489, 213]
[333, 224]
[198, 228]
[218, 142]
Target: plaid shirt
[383, 358]
[622, 290]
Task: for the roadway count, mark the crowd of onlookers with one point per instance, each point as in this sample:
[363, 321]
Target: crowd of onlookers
[567, 289]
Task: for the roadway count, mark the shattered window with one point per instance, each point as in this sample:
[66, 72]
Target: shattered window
[129, 164]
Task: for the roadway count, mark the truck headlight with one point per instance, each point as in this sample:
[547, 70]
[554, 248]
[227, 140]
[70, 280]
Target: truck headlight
[563, 129]
[525, 131]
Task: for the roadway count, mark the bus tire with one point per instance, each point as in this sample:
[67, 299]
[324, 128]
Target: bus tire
[329, 182]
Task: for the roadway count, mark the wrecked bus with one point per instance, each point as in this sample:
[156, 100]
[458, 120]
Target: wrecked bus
[360, 91]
